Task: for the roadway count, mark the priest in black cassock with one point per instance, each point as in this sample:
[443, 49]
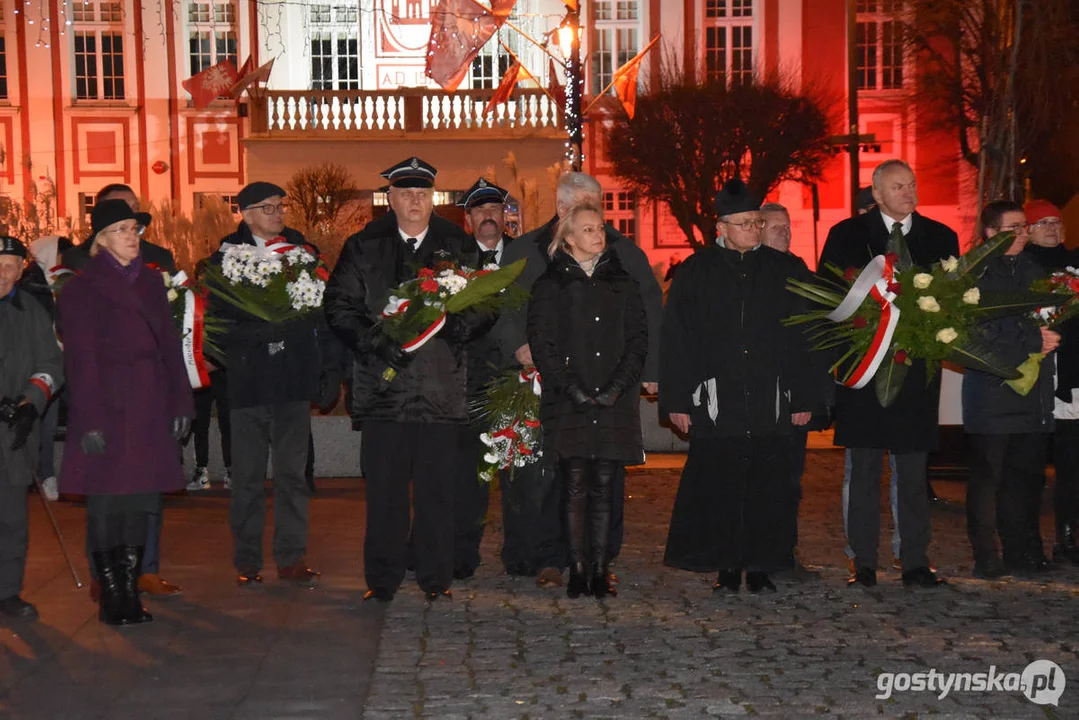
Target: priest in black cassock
[485, 213]
[734, 378]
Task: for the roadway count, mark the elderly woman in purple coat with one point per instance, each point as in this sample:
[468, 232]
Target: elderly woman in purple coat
[130, 403]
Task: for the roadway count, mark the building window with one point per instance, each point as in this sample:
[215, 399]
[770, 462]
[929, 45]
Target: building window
[86, 205]
[439, 198]
[489, 66]
[211, 35]
[98, 44]
[334, 40]
[879, 45]
[728, 40]
[228, 199]
[620, 209]
[3, 66]
[616, 39]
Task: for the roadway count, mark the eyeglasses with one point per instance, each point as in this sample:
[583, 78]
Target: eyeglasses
[1047, 223]
[1017, 229]
[784, 228]
[133, 230]
[271, 209]
[748, 225]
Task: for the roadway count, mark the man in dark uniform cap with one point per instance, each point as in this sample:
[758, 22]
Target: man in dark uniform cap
[734, 378]
[485, 214]
[411, 425]
[31, 369]
[273, 379]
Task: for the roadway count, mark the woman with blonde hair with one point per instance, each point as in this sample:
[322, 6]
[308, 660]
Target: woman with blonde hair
[589, 337]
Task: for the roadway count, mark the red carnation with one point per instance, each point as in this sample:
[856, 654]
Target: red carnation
[900, 357]
[429, 286]
[859, 322]
[895, 288]
[322, 273]
[426, 273]
[850, 274]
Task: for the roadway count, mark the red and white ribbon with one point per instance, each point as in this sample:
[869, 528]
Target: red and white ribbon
[191, 342]
[531, 375]
[280, 247]
[873, 281]
[416, 343]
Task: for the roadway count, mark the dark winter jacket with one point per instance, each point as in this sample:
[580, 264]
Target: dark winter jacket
[268, 363]
[909, 424]
[990, 406]
[726, 359]
[485, 358]
[127, 380]
[76, 258]
[31, 367]
[511, 328]
[591, 333]
[1067, 354]
[431, 389]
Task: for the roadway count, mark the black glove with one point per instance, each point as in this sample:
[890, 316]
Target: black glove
[580, 398]
[93, 442]
[608, 397]
[181, 426]
[21, 423]
[390, 352]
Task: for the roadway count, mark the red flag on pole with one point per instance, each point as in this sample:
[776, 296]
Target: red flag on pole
[553, 86]
[459, 28]
[625, 79]
[516, 73]
[211, 83]
[571, 5]
[251, 77]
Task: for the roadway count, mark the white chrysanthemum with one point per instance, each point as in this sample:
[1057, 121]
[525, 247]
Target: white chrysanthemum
[922, 280]
[972, 296]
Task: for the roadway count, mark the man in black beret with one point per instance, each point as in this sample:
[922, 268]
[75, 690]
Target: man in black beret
[31, 371]
[736, 380]
[412, 424]
[273, 377]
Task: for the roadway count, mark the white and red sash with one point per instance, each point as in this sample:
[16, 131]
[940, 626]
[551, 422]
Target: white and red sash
[874, 280]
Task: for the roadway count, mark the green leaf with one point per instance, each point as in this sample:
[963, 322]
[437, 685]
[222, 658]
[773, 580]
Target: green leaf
[975, 259]
[1016, 302]
[1028, 370]
[976, 354]
[889, 380]
[485, 286]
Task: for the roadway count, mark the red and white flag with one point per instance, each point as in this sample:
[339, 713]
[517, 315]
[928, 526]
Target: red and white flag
[625, 79]
[459, 28]
[516, 73]
[250, 75]
[210, 84]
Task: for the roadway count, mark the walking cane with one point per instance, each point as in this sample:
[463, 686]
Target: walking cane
[52, 518]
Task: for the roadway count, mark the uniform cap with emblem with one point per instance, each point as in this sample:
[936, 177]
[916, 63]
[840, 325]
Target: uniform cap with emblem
[481, 193]
[411, 173]
[735, 198]
[12, 246]
[256, 192]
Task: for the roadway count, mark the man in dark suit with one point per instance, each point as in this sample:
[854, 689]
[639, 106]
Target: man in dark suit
[907, 429]
[76, 259]
[532, 520]
[411, 423]
[485, 216]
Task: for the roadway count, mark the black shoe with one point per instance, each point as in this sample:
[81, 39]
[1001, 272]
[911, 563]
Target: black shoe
[989, 569]
[578, 581]
[379, 594]
[797, 573]
[463, 573]
[866, 577]
[602, 585]
[758, 581]
[922, 577]
[248, 577]
[16, 608]
[436, 592]
[729, 580]
[1067, 548]
[130, 558]
[110, 604]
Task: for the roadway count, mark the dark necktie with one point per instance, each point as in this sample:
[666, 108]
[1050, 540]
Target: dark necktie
[413, 243]
[488, 257]
[897, 227]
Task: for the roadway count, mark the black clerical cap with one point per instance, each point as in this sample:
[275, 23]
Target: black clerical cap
[12, 246]
[481, 193]
[865, 198]
[256, 192]
[411, 173]
[735, 198]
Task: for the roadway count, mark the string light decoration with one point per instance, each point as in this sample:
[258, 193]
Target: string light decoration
[569, 41]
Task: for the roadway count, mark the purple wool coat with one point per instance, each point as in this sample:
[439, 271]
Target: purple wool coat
[126, 377]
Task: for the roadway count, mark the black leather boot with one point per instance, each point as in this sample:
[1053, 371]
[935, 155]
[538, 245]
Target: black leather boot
[1066, 549]
[578, 581]
[599, 524]
[130, 560]
[110, 604]
[601, 583]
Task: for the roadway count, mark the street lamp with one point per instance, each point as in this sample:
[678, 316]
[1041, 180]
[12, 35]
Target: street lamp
[569, 42]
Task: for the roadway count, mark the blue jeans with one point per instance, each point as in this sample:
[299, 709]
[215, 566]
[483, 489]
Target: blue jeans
[893, 475]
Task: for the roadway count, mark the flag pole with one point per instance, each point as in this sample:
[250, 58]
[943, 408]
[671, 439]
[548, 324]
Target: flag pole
[518, 61]
[619, 71]
[532, 40]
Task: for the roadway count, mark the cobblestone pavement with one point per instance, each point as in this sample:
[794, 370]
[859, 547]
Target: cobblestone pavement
[665, 648]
